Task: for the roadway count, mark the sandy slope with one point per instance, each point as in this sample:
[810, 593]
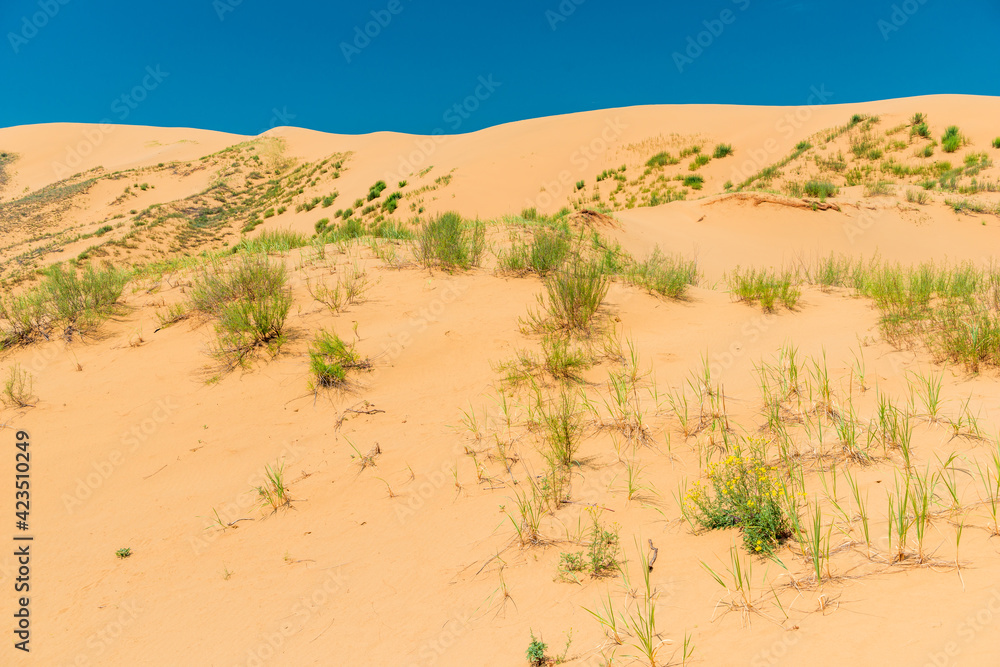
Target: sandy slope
[137, 442]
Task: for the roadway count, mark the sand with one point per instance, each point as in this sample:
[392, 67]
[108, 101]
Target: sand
[138, 440]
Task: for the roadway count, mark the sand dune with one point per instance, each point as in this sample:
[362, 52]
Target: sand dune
[399, 546]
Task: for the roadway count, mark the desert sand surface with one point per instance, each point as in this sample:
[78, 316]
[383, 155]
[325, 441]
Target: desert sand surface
[425, 514]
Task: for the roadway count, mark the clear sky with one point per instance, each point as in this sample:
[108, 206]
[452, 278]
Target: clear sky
[246, 65]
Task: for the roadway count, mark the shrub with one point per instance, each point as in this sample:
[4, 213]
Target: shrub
[802, 146]
[451, 242]
[81, 300]
[722, 150]
[820, 189]
[996, 143]
[321, 225]
[580, 184]
[329, 199]
[102, 230]
[744, 493]
[330, 358]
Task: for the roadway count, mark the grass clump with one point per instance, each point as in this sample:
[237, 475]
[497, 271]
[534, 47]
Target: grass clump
[996, 143]
[575, 293]
[764, 286]
[694, 181]
[952, 139]
[722, 150]
[820, 189]
[251, 300]
[699, 161]
[547, 251]
[272, 241]
[662, 159]
[743, 493]
[666, 275]
[451, 242]
[273, 492]
[330, 359]
[917, 196]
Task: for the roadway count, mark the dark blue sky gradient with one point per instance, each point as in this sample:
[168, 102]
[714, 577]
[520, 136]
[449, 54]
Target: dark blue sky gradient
[282, 63]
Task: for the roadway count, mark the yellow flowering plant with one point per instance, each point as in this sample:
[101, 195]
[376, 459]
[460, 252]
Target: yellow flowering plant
[741, 492]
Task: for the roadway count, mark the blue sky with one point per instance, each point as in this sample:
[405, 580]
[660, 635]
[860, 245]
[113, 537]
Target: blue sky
[246, 65]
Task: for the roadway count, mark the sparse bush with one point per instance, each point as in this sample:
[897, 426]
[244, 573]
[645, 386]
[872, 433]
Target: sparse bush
[348, 289]
[996, 143]
[102, 230]
[451, 242]
[17, 391]
[917, 196]
[601, 557]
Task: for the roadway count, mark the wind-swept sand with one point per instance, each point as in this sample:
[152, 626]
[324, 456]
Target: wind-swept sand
[140, 441]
